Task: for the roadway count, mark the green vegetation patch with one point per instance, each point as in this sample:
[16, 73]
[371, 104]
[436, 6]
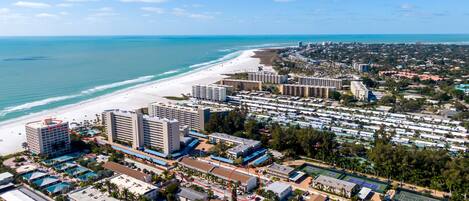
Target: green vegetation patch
[410, 196]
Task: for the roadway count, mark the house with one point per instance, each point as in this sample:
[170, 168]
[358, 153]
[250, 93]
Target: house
[282, 190]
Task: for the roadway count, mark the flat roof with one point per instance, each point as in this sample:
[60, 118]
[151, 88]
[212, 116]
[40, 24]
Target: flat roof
[364, 192]
[46, 123]
[133, 185]
[116, 167]
[90, 194]
[16, 195]
[281, 169]
[192, 194]
[278, 187]
[26, 168]
[5, 175]
[242, 143]
[335, 183]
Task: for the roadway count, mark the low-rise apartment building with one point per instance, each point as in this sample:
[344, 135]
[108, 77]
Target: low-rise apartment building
[306, 90]
[243, 85]
[336, 186]
[225, 176]
[268, 77]
[280, 171]
[241, 147]
[135, 186]
[209, 92]
[318, 81]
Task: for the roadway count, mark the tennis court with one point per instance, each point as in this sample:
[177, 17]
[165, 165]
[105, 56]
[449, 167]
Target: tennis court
[315, 171]
[410, 196]
[376, 186]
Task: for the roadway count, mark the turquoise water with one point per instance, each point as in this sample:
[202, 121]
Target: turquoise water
[40, 73]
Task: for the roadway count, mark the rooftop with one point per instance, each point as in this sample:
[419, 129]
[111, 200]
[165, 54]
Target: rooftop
[335, 183]
[5, 175]
[228, 174]
[90, 194]
[278, 187]
[223, 173]
[191, 194]
[133, 185]
[196, 164]
[125, 170]
[281, 169]
[46, 123]
[34, 175]
[26, 168]
[243, 143]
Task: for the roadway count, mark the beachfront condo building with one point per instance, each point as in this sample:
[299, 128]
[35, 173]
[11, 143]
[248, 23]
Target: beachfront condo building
[211, 92]
[243, 85]
[193, 117]
[49, 137]
[306, 90]
[268, 77]
[359, 91]
[142, 131]
[317, 81]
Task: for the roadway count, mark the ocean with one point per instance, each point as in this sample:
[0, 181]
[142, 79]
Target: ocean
[41, 73]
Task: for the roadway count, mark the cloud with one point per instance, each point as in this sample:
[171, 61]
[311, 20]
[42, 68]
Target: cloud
[283, 1]
[179, 12]
[407, 6]
[63, 13]
[4, 11]
[65, 5]
[143, 1]
[200, 16]
[104, 9]
[81, 0]
[46, 15]
[29, 4]
[184, 13]
[153, 9]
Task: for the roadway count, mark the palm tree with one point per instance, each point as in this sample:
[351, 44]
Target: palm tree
[24, 145]
[125, 193]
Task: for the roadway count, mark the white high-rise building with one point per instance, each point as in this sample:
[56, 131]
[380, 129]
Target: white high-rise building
[49, 137]
[193, 117]
[142, 131]
[268, 77]
[359, 91]
[210, 92]
[317, 81]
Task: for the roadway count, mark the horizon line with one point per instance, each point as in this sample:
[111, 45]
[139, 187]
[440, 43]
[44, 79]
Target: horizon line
[202, 35]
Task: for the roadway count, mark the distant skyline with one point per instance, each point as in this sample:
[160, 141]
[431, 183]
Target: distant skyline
[233, 17]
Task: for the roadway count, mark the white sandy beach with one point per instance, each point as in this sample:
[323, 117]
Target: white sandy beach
[12, 132]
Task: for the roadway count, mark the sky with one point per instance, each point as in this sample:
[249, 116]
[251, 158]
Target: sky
[232, 17]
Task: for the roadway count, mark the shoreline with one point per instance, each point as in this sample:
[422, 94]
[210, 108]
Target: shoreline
[12, 132]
